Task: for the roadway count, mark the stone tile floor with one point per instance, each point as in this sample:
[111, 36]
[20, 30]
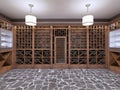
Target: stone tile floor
[60, 79]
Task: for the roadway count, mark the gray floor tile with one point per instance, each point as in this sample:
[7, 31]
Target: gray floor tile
[60, 79]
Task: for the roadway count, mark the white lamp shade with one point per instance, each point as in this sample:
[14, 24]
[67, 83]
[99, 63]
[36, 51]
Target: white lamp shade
[30, 20]
[87, 20]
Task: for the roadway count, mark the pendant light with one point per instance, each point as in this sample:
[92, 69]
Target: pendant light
[30, 19]
[87, 19]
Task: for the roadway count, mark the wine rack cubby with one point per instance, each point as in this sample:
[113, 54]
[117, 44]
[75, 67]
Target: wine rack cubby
[115, 59]
[5, 61]
[78, 57]
[42, 38]
[20, 56]
[74, 57]
[114, 62]
[84, 46]
[42, 57]
[78, 38]
[24, 57]
[97, 57]
[83, 56]
[97, 37]
[24, 37]
[101, 57]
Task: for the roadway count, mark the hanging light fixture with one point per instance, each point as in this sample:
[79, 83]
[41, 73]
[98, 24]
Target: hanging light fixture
[87, 19]
[30, 19]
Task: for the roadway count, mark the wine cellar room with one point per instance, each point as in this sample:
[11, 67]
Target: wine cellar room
[59, 44]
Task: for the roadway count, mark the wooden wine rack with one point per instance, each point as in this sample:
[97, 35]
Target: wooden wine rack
[114, 53]
[5, 24]
[24, 45]
[97, 47]
[84, 47]
[5, 30]
[24, 37]
[33, 48]
[115, 25]
[97, 37]
[42, 46]
[5, 61]
[114, 62]
[5, 52]
[78, 38]
[78, 46]
[115, 59]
